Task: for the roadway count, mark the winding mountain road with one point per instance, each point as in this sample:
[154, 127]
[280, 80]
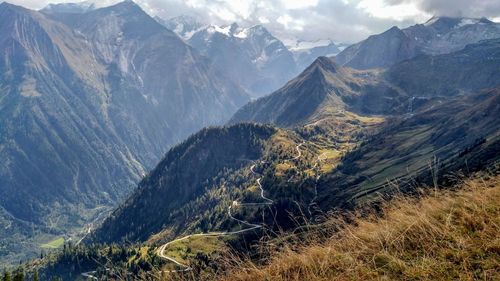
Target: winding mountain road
[252, 226]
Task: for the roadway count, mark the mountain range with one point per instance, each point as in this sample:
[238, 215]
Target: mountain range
[88, 104]
[439, 35]
[253, 56]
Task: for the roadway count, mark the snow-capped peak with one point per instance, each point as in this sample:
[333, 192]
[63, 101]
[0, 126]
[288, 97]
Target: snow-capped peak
[226, 30]
[242, 33]
[234, 30]
[302, 45]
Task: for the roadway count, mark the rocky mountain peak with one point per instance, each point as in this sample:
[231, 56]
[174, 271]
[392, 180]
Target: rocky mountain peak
[327, 64]
[393, 30]
[446, 24]
[126, 6]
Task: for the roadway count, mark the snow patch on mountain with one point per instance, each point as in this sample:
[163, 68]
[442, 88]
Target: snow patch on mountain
[465, 22]
[242, 34]
[307, 45]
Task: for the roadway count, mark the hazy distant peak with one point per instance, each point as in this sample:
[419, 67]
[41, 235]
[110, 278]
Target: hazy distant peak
[68, 8]
[439, 35]
[83, 7]
[302, 45]
[185, 26]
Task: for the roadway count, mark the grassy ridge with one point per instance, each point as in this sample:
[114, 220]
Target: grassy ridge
[449, 235]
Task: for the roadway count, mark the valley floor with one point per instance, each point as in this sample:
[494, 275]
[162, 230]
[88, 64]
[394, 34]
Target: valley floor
[444, 235]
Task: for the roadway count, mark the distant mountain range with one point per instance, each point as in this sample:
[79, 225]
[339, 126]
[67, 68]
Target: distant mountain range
[437, 36]
[252, 56]
[305, 52]
[185, 26]
[89, 102]
[77, 7]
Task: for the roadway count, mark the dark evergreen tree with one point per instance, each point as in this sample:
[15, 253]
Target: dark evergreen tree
[19, 275]
[6, 276]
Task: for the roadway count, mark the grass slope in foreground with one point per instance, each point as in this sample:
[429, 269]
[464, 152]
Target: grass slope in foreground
[449, 235]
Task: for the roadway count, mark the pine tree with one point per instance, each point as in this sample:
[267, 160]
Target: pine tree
[19, 275]
[6, 276]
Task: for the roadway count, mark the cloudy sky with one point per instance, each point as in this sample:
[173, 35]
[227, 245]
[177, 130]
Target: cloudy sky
[339, 20]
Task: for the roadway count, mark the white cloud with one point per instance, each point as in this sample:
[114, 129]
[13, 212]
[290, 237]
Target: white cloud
[461, 8]
[400, 11]
[263, 20]
[299, 4]
[340, 20]
[290, 23]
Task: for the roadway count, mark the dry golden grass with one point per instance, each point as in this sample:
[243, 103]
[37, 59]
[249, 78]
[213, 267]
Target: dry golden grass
[449, 235]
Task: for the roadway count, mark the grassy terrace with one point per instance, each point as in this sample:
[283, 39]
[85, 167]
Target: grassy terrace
[54, 244]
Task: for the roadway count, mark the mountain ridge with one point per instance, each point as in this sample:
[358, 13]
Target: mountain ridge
[336, 88]
[439, 35]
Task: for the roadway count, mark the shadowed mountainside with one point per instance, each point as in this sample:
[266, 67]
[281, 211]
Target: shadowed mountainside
[88, 103]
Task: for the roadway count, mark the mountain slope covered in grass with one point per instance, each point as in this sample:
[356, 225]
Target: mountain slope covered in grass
[306, 173]
[441, 236]
[459, 135]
